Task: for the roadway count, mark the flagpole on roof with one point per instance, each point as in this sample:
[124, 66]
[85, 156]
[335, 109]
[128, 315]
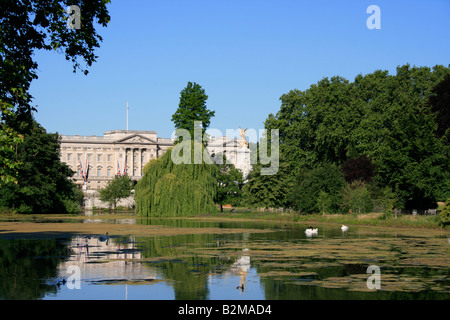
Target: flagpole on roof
[127, 115]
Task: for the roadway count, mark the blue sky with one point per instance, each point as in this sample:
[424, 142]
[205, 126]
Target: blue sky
[244, 53]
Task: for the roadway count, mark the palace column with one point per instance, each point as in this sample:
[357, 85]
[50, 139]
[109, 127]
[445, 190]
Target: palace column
[124, 160]
[139, 161]
[133, 164]
[116, 160]
[130, 161]
[121, 162]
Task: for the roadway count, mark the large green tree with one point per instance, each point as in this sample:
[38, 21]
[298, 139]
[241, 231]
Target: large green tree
[170, 189]
[184, 180]
[27, 26]
[385, 117]
[192, 107]
[43, 184]
[401, 138]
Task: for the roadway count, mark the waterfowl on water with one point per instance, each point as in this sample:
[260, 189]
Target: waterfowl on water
[344, 228]
[310, 231]
[103, 238]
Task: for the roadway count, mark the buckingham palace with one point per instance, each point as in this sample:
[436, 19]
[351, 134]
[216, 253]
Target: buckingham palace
[116, 152]
[97, 159]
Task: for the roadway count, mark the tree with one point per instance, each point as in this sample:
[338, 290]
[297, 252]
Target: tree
[9, 141]
[267, 191]
[41, 25]
[408, 156]
[192, 107]
[316, 125]
[230, 183]
[327, 179]
[170, 190]
[360, 168]
[386, 118]
[439, 102]
[43, 184]
[444, 215]
[27, 26]
[356, 197]
[188, 186]
[118, 188]
[323, 201]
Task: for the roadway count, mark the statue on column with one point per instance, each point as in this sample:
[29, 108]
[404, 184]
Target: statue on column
[243, 142]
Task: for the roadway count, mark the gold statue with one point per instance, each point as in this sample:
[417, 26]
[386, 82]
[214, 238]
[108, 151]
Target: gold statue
[243, 142]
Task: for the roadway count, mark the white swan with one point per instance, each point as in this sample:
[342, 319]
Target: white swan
[344, 228]
[310, 231]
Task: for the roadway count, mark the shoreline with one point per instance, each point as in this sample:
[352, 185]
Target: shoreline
[16, 225]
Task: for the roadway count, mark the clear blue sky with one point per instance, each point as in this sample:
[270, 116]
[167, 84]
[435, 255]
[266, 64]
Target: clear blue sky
[244, 53]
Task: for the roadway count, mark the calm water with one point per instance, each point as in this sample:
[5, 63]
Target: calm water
[282, 263]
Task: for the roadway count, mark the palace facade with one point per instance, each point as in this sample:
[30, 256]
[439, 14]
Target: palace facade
[128, 151]
[235, 150]
[117, 151]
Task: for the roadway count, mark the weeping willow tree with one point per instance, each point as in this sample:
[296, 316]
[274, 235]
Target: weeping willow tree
[170, 189]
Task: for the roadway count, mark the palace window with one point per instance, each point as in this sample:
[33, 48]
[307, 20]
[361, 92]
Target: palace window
[108, 172]
[99, 172]
[69, 155]
[99, 157]
[109, 157]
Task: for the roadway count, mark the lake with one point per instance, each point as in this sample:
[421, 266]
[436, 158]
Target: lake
[223, 260]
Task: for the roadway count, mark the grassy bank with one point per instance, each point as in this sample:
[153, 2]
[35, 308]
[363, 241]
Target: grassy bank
[368, 219]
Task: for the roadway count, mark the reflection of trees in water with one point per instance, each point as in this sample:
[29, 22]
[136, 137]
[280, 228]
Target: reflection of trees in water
[179, 262]
[25, 264]
[192, 223]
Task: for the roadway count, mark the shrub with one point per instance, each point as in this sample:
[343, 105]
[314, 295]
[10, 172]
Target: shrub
[306, 194]
[444, 215]
[357, 198]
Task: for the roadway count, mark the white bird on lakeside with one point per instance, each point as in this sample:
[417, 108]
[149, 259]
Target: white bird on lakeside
[310, 231]
[344, 228]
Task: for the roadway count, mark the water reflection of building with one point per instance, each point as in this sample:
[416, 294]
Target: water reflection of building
[105, 260]
[241, 268]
